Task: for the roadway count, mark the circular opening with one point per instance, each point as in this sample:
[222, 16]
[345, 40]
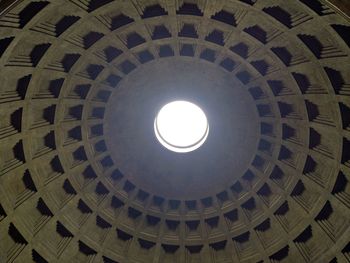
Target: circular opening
[181, 126]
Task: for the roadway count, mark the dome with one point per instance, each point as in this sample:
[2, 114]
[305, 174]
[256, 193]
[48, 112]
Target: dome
[86, 174]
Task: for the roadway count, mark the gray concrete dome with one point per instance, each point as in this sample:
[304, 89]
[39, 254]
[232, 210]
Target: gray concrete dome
[82, 176]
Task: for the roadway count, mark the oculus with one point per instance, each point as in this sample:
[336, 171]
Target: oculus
[181, 126]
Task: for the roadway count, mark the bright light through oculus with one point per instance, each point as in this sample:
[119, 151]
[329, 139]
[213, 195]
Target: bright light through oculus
[181, 126]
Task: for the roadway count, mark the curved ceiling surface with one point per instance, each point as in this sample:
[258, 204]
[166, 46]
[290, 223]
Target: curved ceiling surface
[227, 152]
[82, 176]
